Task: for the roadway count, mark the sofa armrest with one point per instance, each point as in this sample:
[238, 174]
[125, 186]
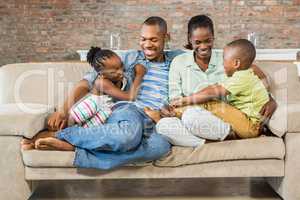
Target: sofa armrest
[23, 119]
[13, 185]
[288, 187]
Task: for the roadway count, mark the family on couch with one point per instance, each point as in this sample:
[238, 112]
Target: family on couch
[125, 132]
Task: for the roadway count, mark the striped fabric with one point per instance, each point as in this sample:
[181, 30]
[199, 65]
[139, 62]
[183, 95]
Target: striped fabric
[154, 88]
[98, 119]
[92, 110]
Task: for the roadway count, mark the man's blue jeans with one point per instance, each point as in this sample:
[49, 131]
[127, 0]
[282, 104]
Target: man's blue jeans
[118, 142]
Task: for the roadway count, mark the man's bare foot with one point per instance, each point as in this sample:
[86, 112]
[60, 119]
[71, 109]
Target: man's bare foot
[153, 114]
[26, 141]
[28, 144]
[51, 143]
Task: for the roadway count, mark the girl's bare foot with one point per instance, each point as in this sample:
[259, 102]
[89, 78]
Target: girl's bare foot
[51, 143]
[28, 144]
[153, 114]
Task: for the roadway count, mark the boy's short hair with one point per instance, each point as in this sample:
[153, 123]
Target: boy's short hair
[244, 50]
[160, 22]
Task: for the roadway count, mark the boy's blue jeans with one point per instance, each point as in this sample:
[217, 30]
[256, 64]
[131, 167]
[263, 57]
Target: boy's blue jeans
[118, 142]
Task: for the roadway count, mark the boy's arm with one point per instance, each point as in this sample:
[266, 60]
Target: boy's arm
[106, 86]
[261, 75]
[208, 93]
[269, 108]
[58, 120]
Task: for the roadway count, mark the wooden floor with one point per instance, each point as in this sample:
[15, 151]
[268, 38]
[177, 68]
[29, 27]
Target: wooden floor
[178, 189]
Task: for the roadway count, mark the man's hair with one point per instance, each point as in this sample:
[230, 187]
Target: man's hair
[198, 21]
[243, 50]
[160, 22]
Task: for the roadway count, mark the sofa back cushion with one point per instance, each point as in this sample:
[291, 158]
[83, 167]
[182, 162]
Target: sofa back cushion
[49, 83]
[285, 86]
[41, 83]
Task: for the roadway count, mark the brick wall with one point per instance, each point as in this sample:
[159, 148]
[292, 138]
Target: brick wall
[52, 30]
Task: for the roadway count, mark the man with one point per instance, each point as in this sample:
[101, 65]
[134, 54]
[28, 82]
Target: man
[128, 136]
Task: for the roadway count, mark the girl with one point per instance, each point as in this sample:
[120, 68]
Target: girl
[96, 107]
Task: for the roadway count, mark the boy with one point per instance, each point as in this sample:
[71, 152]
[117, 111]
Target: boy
[245, 93]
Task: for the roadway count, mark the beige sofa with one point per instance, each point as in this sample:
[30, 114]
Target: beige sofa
[30, 91]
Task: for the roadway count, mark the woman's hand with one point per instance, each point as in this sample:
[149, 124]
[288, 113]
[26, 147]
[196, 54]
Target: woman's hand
[57, 121]
[268, 109]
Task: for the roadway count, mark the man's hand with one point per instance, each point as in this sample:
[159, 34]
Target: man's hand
[268, 109]
[167, 111]
[178, 102]
[57, 121]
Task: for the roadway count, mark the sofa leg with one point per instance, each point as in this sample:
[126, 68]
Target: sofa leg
[13, 185]
[288, 187]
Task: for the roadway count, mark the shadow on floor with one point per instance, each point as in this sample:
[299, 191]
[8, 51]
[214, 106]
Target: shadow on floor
[204, 188]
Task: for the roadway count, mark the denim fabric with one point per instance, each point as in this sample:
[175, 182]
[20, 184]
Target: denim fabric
[122, 132]
[117, 142]
[151, 148]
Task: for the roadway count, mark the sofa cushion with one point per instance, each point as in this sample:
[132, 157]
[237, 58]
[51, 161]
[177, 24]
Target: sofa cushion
[246, 149]
[285, 86]
[293, 117]
[36, 158]
[256, 148]
[278, 123]
[43, 83]
[54, 80]
[235, 168]
[23, 119]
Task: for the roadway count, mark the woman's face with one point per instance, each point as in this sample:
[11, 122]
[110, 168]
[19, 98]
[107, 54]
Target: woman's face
[202, 41]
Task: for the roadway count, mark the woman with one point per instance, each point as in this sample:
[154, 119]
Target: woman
[190, 73]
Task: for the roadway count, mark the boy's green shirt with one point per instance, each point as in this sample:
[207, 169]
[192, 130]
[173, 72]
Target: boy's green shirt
[247, 93]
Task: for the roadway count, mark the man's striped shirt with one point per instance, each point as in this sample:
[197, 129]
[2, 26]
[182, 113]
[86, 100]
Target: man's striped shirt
[153, 91]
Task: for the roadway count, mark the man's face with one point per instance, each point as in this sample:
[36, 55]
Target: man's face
[202, 41]
[152, 41]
